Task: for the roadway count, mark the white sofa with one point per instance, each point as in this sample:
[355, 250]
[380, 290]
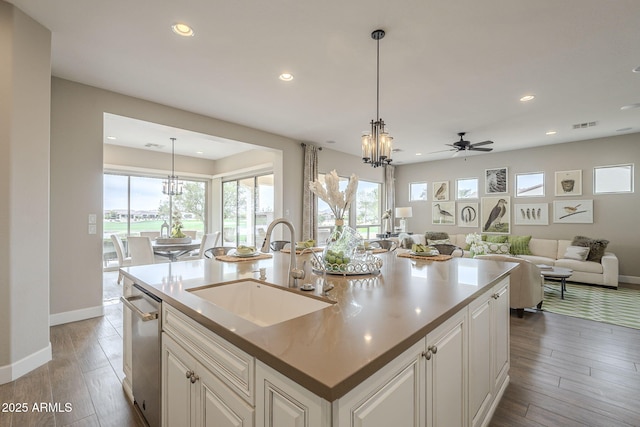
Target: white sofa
[551, 252]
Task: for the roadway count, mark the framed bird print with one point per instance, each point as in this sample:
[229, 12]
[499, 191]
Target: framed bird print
[569, 183]
[531, 214]
[573, 211]
[443, 213]
[441, 191]
[496, 215]
[495, 180]
[467, 214]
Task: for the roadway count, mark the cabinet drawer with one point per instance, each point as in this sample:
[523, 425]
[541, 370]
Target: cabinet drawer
[233, 366]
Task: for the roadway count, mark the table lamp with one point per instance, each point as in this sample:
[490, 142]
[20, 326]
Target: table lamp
[403, 214]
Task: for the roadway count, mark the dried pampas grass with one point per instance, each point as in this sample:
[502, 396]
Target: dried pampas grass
[330, 193]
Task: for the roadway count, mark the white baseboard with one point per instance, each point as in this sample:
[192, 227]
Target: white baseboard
[635, 280]
[27, 364]
[75, 315]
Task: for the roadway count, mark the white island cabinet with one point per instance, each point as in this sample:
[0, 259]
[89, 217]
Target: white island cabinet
[445, 366]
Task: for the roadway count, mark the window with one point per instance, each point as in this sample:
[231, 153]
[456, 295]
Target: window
[417, 191]
[613, 179]
[364, 212]
[530, 184]
[247, 209]
[467, 188]
[135, 204]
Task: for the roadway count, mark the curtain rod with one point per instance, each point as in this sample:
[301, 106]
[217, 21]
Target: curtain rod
[304, 145]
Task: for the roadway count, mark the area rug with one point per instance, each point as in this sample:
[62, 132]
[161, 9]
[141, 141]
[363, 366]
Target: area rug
[616, 306]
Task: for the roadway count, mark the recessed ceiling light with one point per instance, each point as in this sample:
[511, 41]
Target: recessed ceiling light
[637, 69]
[630, 106]
[551, 132]
[182, 30]
[330, 142]
[527, 98]
[111, 137]
[286, 77]
[418, 154]
[199, 152]
[623, 129]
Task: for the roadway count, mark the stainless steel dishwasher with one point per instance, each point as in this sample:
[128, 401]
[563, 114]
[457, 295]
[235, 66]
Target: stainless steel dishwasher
[146, 352]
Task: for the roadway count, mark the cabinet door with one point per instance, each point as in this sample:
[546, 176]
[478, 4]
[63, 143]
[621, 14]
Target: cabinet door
[393, 396]
[217, 405]
[501, 322]
[481, 351]
[178, 395]
[446, 368]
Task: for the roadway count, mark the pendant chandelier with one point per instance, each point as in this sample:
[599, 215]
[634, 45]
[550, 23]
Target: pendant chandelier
[172, 185]
[377, 144]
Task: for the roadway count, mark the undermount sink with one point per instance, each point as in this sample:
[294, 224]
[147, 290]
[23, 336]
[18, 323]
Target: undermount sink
[260, 303]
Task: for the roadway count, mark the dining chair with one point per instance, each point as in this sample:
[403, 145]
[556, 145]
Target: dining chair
[123, 260]
[141, 250]
[208, 241]
[150, 234]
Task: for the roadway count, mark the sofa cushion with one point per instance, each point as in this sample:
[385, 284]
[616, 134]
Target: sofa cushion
[519, 245]
[497, 248]
[538, 259]
[435, 235]
[439, 242]
[579, 253]
[584, 266]
[544, 248]
[596, 247]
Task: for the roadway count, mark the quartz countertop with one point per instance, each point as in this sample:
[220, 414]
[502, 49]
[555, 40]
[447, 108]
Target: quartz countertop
[330, 351]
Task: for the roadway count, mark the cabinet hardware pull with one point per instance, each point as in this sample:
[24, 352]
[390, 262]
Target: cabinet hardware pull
[433, 349]
[194, 378]
[189, 374]
[427, 354]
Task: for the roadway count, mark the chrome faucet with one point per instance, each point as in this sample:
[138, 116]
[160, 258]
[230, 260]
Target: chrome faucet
[294, 272]
[326, 287]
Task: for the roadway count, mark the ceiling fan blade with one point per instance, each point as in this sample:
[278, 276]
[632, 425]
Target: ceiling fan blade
[477, 144]
[472, 148]
[442, 151]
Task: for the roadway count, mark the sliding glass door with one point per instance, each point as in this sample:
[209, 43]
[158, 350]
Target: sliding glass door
[247, 209]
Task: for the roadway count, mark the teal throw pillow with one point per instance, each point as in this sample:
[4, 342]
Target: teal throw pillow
[520, 245]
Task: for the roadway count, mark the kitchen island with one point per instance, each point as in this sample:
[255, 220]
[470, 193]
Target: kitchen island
[346, 360]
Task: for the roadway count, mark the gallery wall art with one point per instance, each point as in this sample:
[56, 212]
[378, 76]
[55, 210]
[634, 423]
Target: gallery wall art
[441, 191]
[569, 183]
[573, 211]
[467, 214]
[444, 213]
[531, 214]
[496, 180]
[496, 215]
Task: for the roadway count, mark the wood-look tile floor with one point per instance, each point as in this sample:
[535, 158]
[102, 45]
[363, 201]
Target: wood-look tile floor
[564, 372]
[86, 372]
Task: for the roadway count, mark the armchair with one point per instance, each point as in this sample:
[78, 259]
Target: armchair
[526, 287]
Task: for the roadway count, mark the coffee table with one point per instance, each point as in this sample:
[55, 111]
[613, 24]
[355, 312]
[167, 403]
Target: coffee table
[558, 273]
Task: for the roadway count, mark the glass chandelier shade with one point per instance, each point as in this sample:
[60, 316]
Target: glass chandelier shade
[377, 145]
[172, 185]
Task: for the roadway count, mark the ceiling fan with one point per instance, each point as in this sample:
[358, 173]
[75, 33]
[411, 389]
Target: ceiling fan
[463, 145]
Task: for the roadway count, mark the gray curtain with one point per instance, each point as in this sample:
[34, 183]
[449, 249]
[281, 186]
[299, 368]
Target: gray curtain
[390, 193]
[309, 201]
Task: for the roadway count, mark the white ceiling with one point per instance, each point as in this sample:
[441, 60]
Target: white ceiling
[446, 65]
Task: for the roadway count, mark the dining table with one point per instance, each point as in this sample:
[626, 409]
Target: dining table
[174, 250]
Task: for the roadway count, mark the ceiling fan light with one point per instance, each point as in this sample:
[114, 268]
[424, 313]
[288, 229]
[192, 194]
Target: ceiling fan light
[527, 98]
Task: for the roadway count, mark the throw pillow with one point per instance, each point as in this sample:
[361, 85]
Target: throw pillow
[579, 253]
[520, 245]
[436, 235]
[439, 242]
[497, 248]
[596, 247]
[495, 239]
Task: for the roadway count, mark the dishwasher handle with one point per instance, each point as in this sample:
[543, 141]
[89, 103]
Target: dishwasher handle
[146, 317]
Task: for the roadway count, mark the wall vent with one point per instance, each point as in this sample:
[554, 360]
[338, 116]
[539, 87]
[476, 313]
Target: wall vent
[152, 145]
[584, 125]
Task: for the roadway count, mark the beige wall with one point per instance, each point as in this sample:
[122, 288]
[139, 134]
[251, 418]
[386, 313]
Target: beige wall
[615, 215]
[25, 92]
[76, 182]
[125, 157]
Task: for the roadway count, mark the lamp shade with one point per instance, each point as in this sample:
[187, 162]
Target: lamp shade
[405, 212]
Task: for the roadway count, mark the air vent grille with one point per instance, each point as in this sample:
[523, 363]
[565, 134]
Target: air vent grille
[152, 145]
[584, 125]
